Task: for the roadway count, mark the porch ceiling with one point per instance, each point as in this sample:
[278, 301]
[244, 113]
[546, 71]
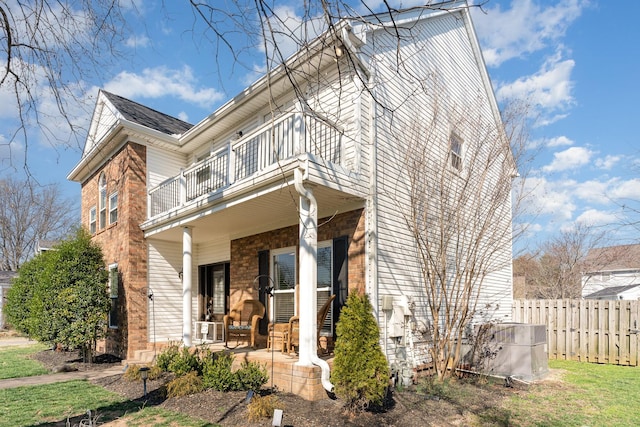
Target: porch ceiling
[273, 208]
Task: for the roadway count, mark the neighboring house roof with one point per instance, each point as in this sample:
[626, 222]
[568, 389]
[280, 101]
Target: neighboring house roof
[622, 257]
[147, 117]
[611, 292]
[46, 245]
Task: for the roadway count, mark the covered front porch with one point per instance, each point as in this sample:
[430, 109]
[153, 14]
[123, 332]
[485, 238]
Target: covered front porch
[270, 238]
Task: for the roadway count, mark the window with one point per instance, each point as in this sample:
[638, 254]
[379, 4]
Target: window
[113, 208]
[92, 220]
[283, 266]
[113, 294]
[455, 145]
[102, 189]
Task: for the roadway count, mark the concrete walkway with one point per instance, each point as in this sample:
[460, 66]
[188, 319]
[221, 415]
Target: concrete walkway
[51, 378]
[15, 342]
[60, 377]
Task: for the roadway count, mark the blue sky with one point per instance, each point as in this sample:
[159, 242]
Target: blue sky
[577, 61]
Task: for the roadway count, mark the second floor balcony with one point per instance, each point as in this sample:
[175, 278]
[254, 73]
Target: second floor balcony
[286, 137]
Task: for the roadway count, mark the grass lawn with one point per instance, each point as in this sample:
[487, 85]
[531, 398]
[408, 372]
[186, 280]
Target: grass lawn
[15, 364]
[575, 394]
[53, 403]
[588, 395]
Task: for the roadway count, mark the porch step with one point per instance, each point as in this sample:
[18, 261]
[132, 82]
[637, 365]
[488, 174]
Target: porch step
[141, 357]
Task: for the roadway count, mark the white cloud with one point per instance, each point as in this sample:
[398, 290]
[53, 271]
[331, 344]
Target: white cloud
[288, 33]
[550, 198]
[132, 5]
[183, 116]
[549, 89]
[8, 108]
[10, 151]
[524, 28]
[626, 190]
[594, 191]
[559, 141]
[162, 81]
[594, 217]
[251, 77]
[608, 162]
[138, 41]
[570, 158]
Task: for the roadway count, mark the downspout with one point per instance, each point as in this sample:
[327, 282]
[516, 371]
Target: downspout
[308, 274]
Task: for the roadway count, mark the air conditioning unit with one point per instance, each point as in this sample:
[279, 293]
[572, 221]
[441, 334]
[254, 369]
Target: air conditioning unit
[518, 350]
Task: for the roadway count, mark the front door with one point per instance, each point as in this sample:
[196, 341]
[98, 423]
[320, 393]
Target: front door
[213, 291]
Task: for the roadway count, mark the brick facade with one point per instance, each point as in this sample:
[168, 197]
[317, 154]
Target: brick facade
[123, 243]
[244, 251]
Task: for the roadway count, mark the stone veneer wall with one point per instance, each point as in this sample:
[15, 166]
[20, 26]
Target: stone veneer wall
[123, 243]
[244, 251]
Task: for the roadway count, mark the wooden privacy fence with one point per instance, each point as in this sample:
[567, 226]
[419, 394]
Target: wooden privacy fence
[595, 331]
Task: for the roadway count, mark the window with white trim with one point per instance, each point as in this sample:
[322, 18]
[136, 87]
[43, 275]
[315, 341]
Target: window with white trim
[92, 220]
[455, 146]
[283, 268]
[102, 190]
[113, 294]
[113, 208]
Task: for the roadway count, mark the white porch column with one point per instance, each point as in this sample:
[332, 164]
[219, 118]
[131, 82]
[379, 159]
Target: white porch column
[308, 239]
[186, 285]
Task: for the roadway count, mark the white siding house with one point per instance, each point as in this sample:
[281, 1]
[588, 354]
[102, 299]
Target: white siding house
[611, 273]
[232, 192]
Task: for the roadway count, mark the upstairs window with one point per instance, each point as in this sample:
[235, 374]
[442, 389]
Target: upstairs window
[113, 208]
[92, 220]
[102, 190]
[455, 147]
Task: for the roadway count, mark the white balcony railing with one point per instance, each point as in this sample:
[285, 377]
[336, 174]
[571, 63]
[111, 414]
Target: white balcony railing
[286, 137]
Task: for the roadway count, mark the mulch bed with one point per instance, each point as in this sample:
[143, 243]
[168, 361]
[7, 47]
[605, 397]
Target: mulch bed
[404, 408]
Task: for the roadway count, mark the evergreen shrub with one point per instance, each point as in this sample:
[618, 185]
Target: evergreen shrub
[360, 371]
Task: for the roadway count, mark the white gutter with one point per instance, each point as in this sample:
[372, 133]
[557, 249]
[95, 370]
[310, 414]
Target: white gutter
[308, 240]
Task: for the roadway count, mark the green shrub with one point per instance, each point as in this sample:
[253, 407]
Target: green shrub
[217, 374]
[179, 360]
[61, 296]
[360, 371]
[133, 373]
[164, 359]
[263, 407]
[185, 361]
[189, 383]
[251, 376]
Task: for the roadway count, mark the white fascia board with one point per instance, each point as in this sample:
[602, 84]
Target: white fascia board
[112, 141]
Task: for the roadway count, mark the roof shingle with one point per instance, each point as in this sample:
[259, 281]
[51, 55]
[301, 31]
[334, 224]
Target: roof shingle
[148, 117]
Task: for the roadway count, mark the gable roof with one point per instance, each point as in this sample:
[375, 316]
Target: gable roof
[146, 116]
[610, 258]
[610, 292]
